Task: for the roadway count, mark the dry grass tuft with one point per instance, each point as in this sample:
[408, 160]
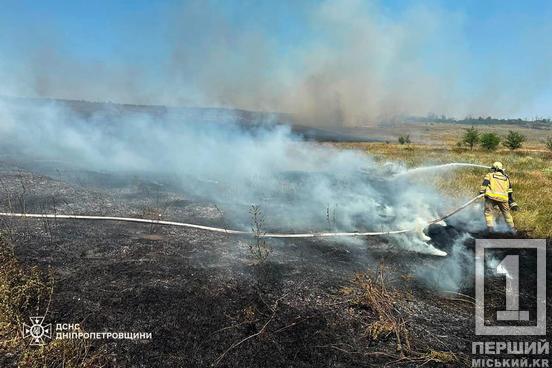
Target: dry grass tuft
[65, 353]
[26, 292]
[445, 357]
[372, 293]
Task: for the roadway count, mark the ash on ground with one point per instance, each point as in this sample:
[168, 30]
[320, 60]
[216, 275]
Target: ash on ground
[201, 293]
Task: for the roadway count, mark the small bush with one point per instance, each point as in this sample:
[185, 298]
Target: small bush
[404, 139]
[514, 140]
[548, 143]
[489, 141]
[471, 137]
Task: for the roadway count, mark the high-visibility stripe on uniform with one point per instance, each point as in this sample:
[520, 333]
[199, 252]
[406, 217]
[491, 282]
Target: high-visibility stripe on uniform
[496, 186]
[494, 195]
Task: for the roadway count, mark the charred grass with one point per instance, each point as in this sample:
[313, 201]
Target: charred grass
[207, 304]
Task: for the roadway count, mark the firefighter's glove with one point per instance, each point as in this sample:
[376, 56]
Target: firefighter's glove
[514, 206]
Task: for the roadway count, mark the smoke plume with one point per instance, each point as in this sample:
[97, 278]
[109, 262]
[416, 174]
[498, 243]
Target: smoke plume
[297, 184]
[342, 63]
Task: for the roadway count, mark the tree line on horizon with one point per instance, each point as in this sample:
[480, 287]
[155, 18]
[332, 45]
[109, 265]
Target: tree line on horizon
[480, 120]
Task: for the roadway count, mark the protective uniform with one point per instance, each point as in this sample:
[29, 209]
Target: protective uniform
[498, 194]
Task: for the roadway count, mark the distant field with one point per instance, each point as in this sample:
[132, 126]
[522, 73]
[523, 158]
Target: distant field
[444, 134]
[530, 171]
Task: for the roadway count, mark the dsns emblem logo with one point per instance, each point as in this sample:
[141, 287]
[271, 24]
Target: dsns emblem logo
[37, 330]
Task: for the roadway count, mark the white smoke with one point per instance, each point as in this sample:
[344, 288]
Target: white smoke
[294, 182]
[448, 274]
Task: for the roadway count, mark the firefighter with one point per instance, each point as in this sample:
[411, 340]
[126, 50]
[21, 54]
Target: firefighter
[498, 194]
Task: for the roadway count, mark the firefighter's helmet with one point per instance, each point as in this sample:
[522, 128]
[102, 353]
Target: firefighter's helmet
[497, 166]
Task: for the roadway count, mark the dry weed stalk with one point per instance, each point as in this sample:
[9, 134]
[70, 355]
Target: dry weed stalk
[259, 247]
[372, 293]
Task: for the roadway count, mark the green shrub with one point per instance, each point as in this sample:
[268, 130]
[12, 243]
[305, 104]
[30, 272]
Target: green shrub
[404, 139]
[489, 141]
[514, 140]
[548, 143]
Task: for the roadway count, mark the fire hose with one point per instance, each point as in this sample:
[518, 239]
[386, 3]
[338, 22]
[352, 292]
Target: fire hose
[240, 232]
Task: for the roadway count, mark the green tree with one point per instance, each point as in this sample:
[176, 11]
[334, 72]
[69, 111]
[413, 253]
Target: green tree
[514, 140]
[471, 137]
[548, 143]
[489, 141]
[404, 140]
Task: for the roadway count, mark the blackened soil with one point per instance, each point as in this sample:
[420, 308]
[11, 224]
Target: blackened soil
[200, 293]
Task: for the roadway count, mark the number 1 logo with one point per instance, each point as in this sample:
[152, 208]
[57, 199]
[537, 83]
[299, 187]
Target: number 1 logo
[509, 267]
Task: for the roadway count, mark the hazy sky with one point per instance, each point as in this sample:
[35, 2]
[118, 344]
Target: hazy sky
[348, 60]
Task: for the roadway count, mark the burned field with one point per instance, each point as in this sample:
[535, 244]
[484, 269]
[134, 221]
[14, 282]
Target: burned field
[330, 183]
[216, 299]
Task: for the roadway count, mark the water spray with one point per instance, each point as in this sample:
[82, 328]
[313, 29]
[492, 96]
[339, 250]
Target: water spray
[423, 169]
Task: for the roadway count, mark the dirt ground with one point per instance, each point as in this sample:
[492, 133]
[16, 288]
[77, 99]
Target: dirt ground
[203, 296]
